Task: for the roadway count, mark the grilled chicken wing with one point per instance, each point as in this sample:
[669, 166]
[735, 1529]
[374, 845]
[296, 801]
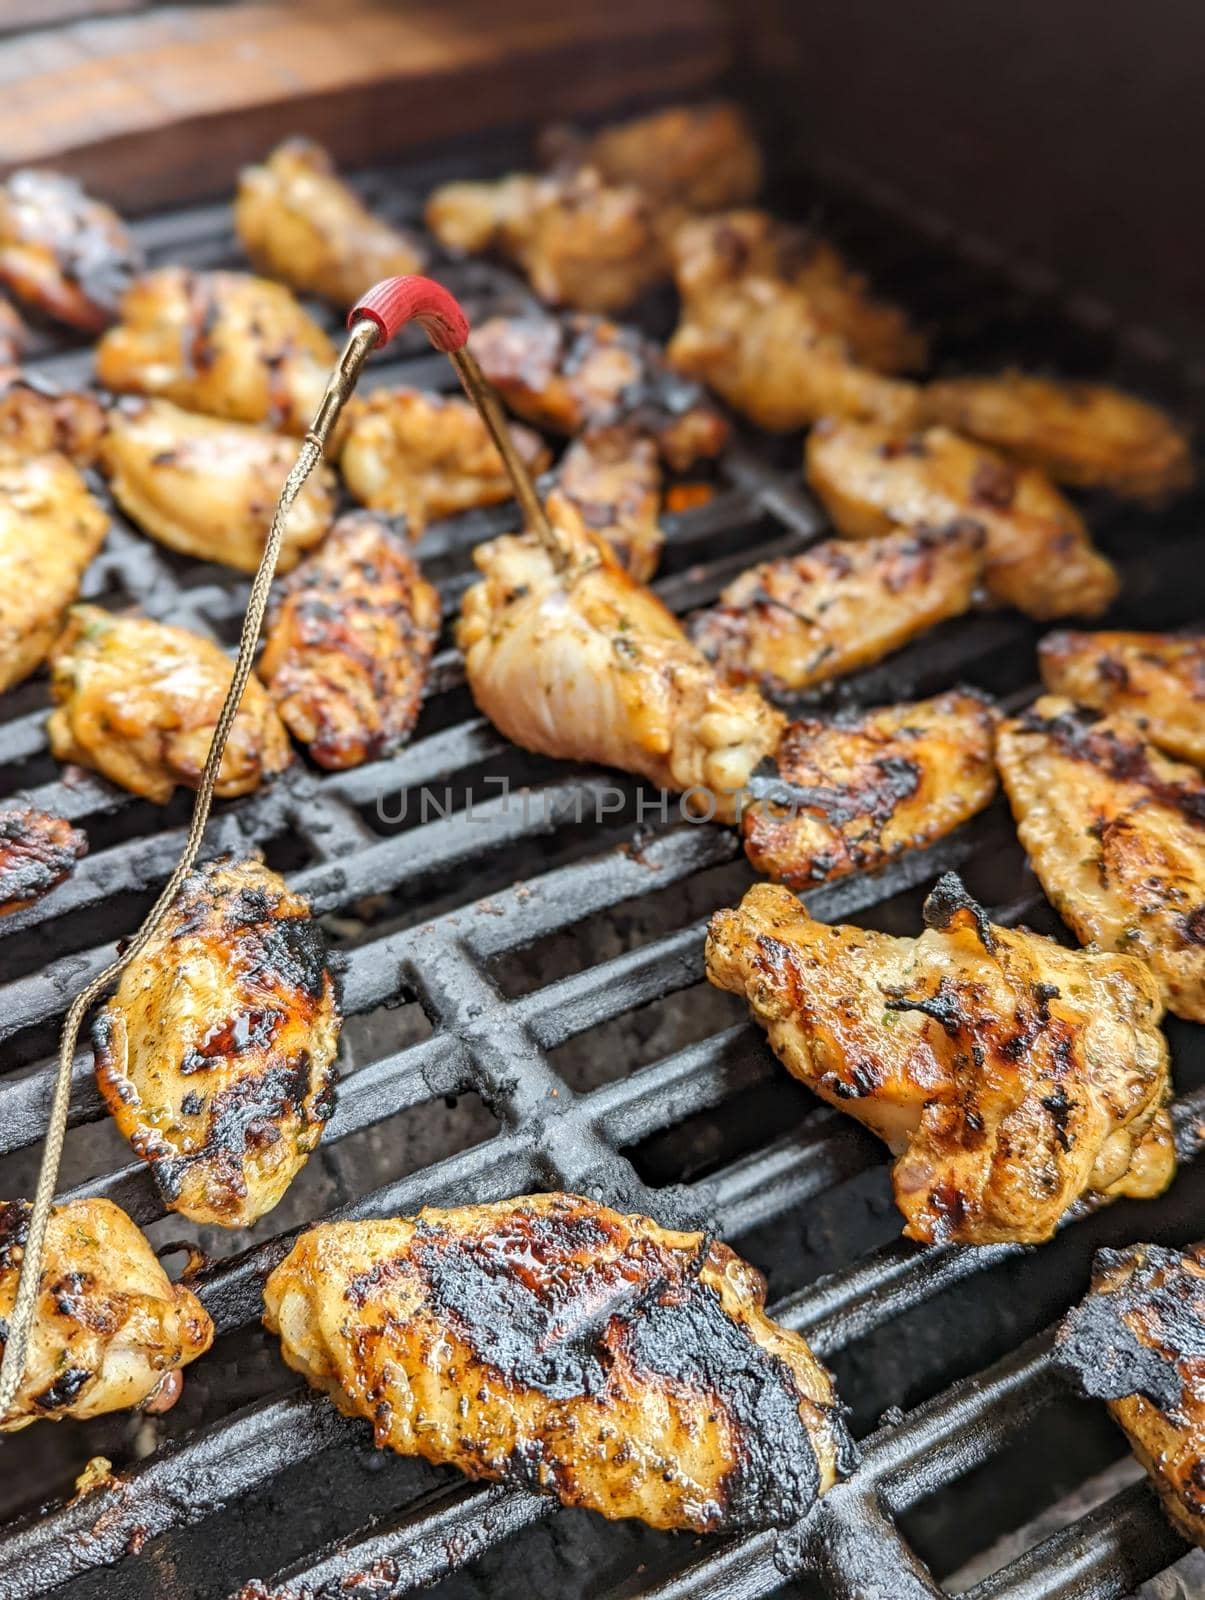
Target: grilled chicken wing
[215, 1054]
[1088, 434]
[14, 336]
[1116, 835]
[1136, 1341]
[1009, 1076]
[428, 455]
[36, 417]
[346, 657]
[63, 252]
[805, 619]
[37, 851]
[220, 342]
[138, 701]
[1158, 679]
[208, 488]
[50, 528]
[299, 222]
[589, 665]
[860, 787]
[614, 481]
[110, 1330]
[552, 1343]
[1039, 556]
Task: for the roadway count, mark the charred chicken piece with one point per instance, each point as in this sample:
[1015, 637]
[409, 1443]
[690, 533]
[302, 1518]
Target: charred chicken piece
[14, 336]
[1039, 556]
[614, 481]
[1116, 835]
[37, 851]
[110, 1330]
[587, 664]
[1158, 679]
[208, 488]
[424, 456]
[859, 788]
[1088, 434]
[138, 702]
[551, 1343]
[215, 1054]
[63, 252]
[347, 654]
[299, 222]
[36, 417]
[1136, 1342]
[225, 343]
[806, 619]
[1008, 1075]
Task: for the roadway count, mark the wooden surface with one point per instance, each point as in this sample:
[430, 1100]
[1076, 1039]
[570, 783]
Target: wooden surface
[166, 104]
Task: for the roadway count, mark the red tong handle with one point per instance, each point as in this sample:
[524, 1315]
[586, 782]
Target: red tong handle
[394, 302]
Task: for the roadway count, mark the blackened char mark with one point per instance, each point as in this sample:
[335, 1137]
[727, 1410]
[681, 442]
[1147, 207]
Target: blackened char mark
[946, 899]
[65, 1388]
[14, 1230]
[945, 1007]
[37, 851]
[1124, 758]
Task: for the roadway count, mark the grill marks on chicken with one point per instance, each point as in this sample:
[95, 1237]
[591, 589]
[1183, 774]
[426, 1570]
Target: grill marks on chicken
[36, 418]
[614, 482]
[14, 336]
[215, 1054]
[1158, 679]
[1009, 1076]
[63, 252]
[1116, 835]
[554, 1344]
[37, 851]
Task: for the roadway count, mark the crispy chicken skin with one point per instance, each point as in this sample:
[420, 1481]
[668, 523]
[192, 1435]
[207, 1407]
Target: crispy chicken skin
[1008, 1075]
[424, 456]
[299, 222]
[1116, 835]
[208, 488]
[1136, 1341]
[347, 653]
[63, 252]
[138, 701]
[14, 336]
[50, 528]
[1158, 679]
[614, 481]
[110, 1331]
[1088, 434]
[37, 851]
[803, 620]
[587, 664]
[225, 343]
[215, 1054]
[36, 417]
[860, 787]
[1039, 556]
[556, 1345]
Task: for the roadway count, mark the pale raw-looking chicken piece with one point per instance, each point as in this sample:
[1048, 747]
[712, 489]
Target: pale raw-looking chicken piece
[1039, 555]
[860, 787]
[110, 1330]
[62, 252]
[37, 851]
[14, 336]
[1116, 834]
[424, 456]
[614, 481]
[299, 222]
[37, 417]
[215, 1055]
[50, 528]
[1158, 679]
[350, 641]
[551, 1343]
[1008, 1075]
[587, 664]
[208, 488]
[803, 620]
[138, 702]
[1087, 434]
[225, 343]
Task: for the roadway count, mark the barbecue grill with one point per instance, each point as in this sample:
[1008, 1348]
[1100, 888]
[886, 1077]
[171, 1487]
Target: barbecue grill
[523, 980]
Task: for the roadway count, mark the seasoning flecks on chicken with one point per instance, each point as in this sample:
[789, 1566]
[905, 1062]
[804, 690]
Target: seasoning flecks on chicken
[1008, 1075]
[553, 1344]
[1158, 679]
[860, 787]
[802, 620]
[299, 222]
[61, 251]
[37, 851]
[1116, 834]
[110, 1330]
[614, 481]
[138, 702]
[208, 488]
[37, 417]
[215, 1054]
[347, 653]
[1039, 556]
[14, 336]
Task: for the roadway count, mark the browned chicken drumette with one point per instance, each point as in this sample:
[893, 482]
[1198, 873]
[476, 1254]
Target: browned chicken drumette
[14, 336]
[37, 417]
[1158, 679]
[215, 1055]
[63, 252]
[551, 1343]
[347, 653]
[37, 851]
[1008, 1075]
[614, 481]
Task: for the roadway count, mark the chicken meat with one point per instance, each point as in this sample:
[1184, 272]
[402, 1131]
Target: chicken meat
[614, 481]
[14, 336]
[37, 851]
[1158, 679]
[62, 252]
[37, 417]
